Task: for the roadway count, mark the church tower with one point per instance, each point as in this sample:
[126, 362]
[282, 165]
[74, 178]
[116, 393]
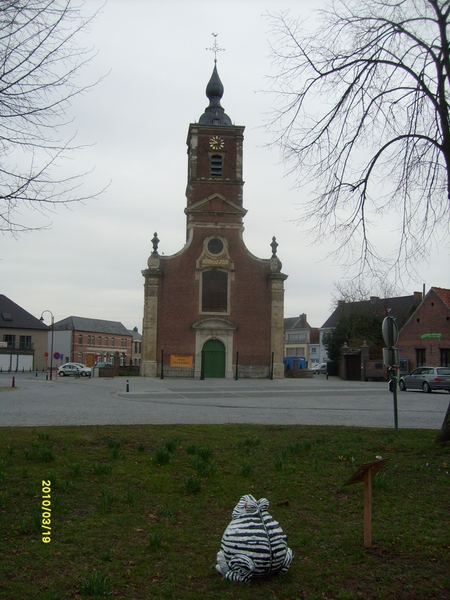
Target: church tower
[213, 309]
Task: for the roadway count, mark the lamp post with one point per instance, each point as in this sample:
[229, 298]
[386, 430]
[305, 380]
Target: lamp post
[53, 331]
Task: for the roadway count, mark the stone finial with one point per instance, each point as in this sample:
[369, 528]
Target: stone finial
[274, 246]
[155, 242]
[275, 262]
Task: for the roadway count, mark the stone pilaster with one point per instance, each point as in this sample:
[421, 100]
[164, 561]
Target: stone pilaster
[277, 280]
[152, 275]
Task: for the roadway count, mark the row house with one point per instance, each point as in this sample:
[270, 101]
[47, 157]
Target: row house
[84, 340]
[301, 340]
[400, 307]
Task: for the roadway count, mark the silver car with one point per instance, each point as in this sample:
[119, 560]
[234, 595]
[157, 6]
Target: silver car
[426, 379]
[74, 369]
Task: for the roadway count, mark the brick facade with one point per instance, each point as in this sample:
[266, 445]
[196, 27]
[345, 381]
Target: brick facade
[88, 347]
[249, 318]
[85, 340]
[425, 338]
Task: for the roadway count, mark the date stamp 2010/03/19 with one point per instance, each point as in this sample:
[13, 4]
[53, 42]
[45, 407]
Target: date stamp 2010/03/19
[46, 512]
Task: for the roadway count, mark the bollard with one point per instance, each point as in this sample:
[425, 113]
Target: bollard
[46, 377]
[128, 385]
[36, 373]
[14, 382]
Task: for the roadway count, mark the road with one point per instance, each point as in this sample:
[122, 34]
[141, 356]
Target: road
[317, 401]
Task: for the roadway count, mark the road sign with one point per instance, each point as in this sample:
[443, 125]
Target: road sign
[56, 355]
[389, 330]
[390, 357]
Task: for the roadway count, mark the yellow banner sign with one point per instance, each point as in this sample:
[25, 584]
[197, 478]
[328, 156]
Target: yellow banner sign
[181, 360]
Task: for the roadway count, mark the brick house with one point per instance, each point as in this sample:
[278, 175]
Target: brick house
[400, 307]
[23, 338]
[83, 340]
[425, 338]
[213, 307]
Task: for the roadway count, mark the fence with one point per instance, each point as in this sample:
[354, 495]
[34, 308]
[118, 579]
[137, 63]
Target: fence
[245, 366]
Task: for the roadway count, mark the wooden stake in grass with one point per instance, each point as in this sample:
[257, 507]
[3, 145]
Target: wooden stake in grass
[365, 473]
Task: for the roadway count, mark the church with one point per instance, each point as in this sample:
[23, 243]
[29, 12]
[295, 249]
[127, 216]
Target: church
[213, 309]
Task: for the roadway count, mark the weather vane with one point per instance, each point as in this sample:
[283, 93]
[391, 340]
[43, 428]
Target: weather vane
[215, 47]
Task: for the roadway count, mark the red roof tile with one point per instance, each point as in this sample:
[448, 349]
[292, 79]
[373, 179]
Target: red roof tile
[443, 293]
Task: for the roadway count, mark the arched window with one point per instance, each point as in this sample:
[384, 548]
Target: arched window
[216, 165]
[215, 291]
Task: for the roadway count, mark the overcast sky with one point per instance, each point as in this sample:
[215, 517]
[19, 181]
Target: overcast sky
[89, 262]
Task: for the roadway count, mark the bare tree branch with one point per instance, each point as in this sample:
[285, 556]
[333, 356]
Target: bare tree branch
[362, 114]
[40, 61]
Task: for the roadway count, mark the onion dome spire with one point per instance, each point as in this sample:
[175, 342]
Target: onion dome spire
[214, 114]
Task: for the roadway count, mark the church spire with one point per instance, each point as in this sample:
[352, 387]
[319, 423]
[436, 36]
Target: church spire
[214, 114]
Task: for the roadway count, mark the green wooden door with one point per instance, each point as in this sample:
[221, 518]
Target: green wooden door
[214, 358]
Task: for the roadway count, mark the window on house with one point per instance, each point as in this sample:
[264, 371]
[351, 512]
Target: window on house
[215, 291]
[445, 357]
[216, 165]
[80, 339]
[295, 351]
[25, 342]
[421, 357]
[106, 341]
[113, 342]
[296, 337]
[9, 339]
[99, 341]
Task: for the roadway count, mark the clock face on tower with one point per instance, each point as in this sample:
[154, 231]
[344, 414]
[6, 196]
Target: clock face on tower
[216, 142]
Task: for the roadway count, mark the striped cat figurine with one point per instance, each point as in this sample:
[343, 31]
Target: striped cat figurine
[253, 544]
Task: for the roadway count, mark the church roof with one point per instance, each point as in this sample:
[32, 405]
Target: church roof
[214, 114]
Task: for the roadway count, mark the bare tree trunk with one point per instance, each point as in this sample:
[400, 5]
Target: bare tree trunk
[444, 435]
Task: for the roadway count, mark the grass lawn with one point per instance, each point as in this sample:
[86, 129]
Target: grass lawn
[139, 511]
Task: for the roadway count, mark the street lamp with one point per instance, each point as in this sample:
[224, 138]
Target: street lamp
[53, 331]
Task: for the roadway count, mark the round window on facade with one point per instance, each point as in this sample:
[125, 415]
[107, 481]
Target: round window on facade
[215, 246]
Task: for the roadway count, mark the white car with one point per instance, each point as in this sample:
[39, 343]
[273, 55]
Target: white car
[74, 369]
[320, 368]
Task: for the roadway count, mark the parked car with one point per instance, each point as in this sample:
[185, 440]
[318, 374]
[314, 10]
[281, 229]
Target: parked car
[103, 364]
[74, 369]
[426, 379]
[320, 368]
